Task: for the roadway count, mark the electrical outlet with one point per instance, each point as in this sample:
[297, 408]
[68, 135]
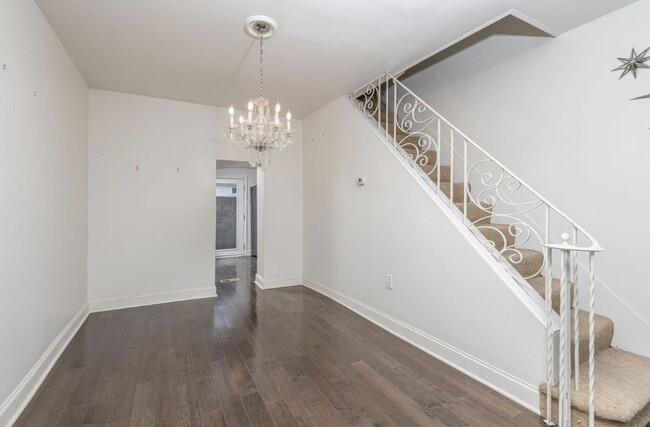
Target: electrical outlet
[388, 281]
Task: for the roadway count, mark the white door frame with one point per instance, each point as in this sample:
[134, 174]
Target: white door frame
[241, 217]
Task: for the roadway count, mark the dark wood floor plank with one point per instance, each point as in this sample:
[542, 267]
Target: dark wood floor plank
[214, 419]
[188, 408]
[166, 386]
[233, 407]
[257, 411]
[49, 406]
[283, 357]
[144, 405]
[393, 393]
[282, 415]
[208, 392]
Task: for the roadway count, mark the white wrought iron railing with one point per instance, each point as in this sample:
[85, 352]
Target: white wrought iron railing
[507, 215]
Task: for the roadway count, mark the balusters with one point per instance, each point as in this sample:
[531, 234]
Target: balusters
[378, 91]
[548, 275]
[565, 337]
[576, 318]
[387, 109]
[438, 155]
[451, 167]
[592, 337]
[465, 182]
[395, 112]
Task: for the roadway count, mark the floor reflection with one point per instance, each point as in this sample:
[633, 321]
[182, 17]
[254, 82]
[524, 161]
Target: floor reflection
[236, 293]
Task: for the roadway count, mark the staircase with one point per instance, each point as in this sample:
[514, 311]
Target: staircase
[591, 383]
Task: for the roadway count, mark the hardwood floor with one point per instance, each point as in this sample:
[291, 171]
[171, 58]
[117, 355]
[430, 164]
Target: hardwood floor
[284, 357]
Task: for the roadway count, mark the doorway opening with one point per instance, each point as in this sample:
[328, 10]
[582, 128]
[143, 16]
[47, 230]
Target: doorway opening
[236, 209]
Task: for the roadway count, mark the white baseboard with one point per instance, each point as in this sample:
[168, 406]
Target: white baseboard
[276, 283]
[513, 388]
[150, 298]
[23, 393]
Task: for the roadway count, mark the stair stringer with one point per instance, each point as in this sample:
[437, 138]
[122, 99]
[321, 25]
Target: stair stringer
[498, 331]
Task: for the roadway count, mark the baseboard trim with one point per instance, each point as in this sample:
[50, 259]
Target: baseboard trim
[151, 298]
[23, 393]
[511, 387]
[276, 283]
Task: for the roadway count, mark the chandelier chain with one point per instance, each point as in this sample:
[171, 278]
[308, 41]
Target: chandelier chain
[261, 64]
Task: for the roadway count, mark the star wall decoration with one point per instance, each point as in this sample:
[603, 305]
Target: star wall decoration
[633, 63]
[641, 97]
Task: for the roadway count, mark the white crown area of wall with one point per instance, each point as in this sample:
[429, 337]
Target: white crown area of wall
[555, 113]
[447, 299]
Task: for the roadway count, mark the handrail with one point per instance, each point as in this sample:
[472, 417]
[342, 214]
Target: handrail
[595, 245]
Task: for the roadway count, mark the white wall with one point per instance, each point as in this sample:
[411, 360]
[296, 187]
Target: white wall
[447, 298]
[152, 230]
[552, 110]
[151, 199]
[280, 225]
[43, 182]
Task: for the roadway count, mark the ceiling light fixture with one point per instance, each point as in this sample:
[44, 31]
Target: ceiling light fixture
[258, 132]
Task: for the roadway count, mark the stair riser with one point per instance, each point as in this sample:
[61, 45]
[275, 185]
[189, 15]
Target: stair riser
[432, 171]
[458, 191]
[475, 215]
[603, 340]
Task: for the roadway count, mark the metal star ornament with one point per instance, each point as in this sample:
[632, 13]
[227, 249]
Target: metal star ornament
[633, 63]
[641, 97]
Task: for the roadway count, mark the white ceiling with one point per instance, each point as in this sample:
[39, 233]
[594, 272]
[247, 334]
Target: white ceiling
[197, 51]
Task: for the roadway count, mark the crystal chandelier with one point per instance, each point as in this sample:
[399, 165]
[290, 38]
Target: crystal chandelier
[258, 132]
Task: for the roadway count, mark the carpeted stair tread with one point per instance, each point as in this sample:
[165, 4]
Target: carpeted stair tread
[418, 155]
[604, 332]
[539, 284]
[603, 326]
[458, 190]
[622, 390]
[498, 234]
[475, 214]
[432, 171]
[527, 262]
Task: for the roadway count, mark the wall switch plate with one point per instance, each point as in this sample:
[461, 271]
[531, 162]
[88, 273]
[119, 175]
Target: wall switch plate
[388, 281]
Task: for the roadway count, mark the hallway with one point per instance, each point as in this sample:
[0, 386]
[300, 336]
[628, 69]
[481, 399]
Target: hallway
[285, 357]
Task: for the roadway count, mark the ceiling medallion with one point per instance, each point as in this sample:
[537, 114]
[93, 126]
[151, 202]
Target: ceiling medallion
[258, 132]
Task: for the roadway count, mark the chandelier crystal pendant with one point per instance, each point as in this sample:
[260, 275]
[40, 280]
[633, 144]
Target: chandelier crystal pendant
[258, 131]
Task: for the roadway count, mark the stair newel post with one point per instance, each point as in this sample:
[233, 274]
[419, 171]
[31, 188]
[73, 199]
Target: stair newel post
[564, 400]
[592, 337]
[465, 184]
[451, 168]
[548, 274]
[576, 318]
